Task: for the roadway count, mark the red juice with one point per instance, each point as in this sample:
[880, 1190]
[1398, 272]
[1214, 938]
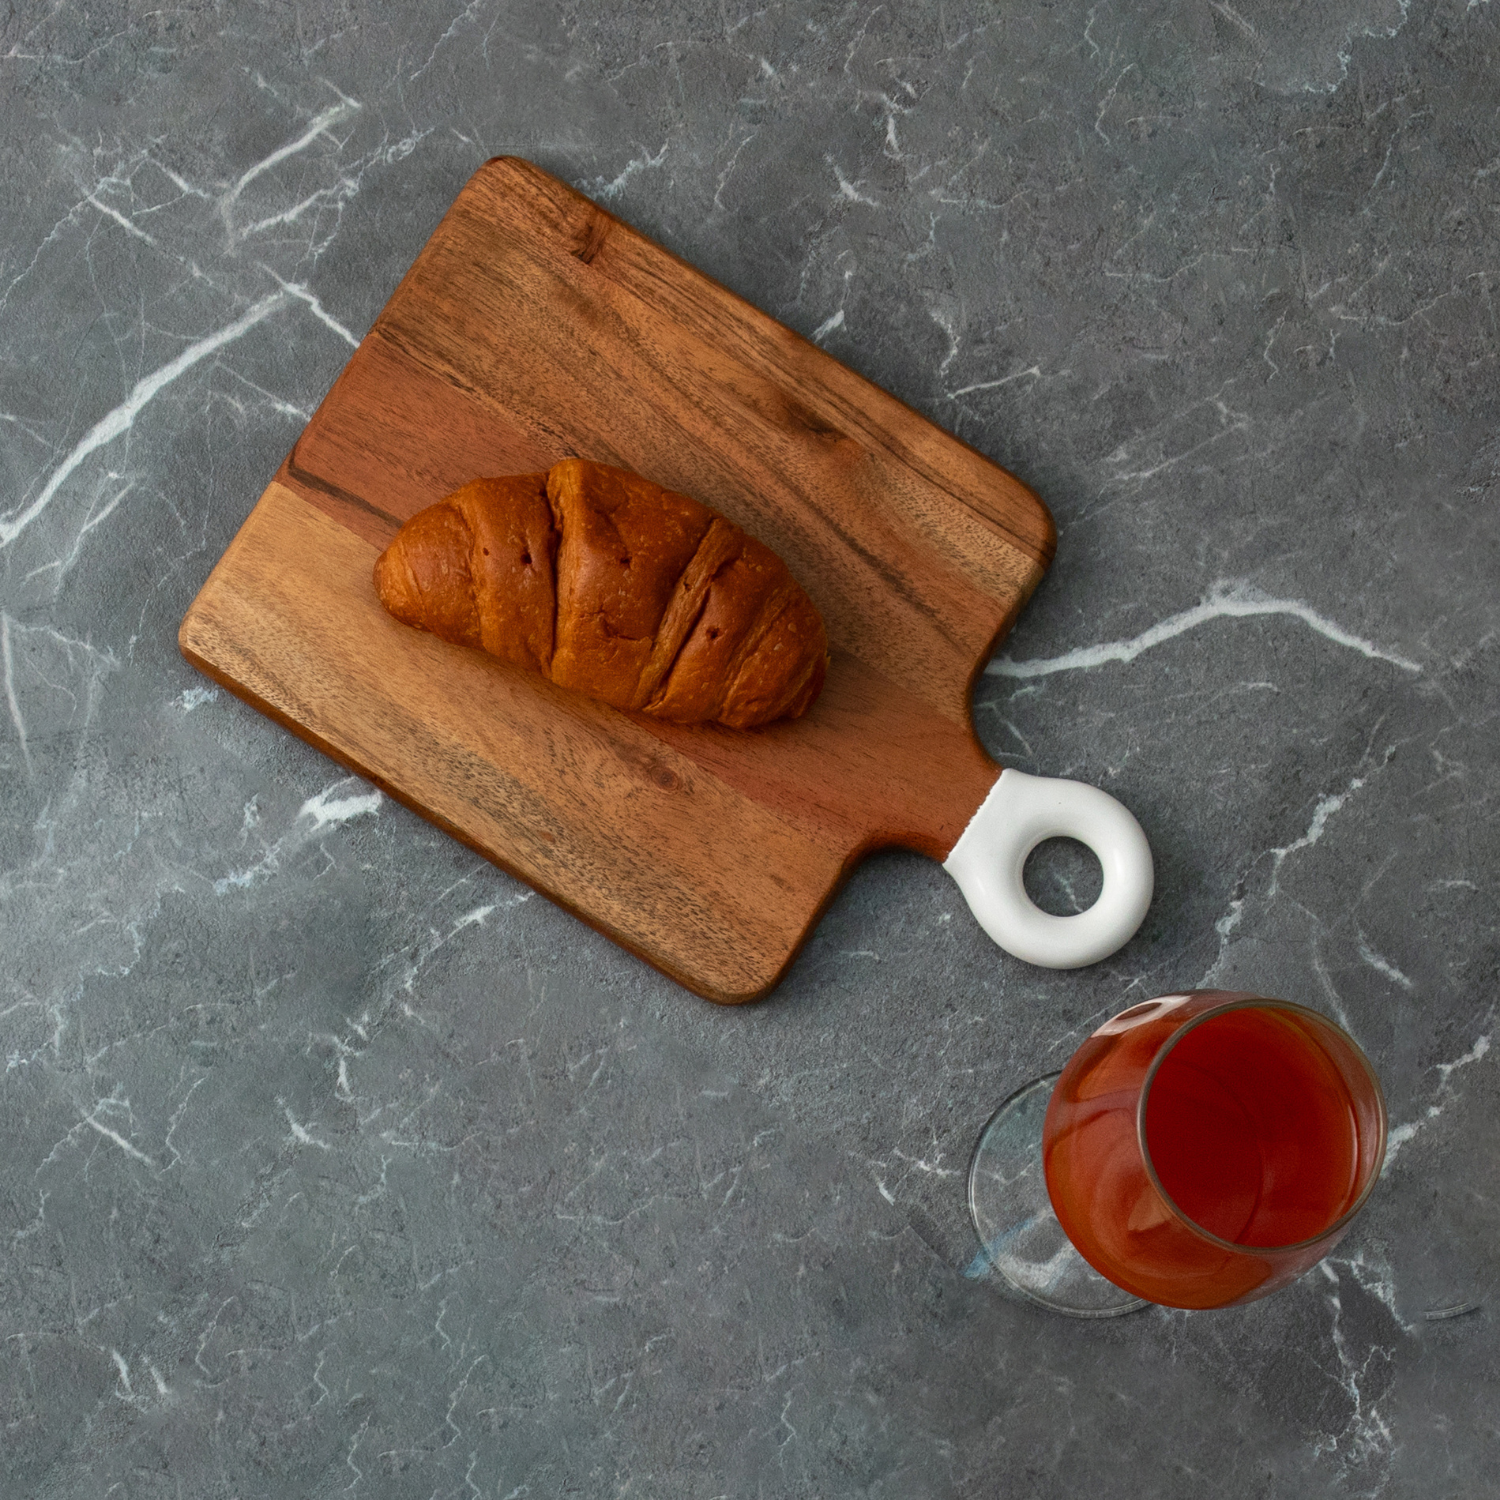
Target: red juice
[1205, 1149]
[1252, 1131]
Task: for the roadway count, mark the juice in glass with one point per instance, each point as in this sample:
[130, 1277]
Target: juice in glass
[1204, 1149]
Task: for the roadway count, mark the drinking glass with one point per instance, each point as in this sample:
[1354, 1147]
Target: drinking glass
[1199, 1150]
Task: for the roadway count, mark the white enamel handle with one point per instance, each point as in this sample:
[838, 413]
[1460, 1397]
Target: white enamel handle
[990, 856]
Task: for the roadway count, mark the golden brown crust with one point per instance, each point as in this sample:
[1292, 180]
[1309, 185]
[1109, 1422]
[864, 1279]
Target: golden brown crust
[513, 563]
[613, 587]
[625, 545]
[424, 576]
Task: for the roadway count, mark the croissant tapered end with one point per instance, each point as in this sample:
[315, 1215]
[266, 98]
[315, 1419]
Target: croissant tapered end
[757, 651]
[423, 576]
[478, 569]
[783, 675]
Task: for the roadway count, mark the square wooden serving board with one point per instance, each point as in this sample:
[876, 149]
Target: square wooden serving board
[534, 326]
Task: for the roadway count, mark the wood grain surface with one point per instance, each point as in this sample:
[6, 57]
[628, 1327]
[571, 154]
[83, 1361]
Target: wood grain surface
[533, 326]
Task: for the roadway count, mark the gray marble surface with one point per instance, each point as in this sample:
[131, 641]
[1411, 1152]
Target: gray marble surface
[337, 1162]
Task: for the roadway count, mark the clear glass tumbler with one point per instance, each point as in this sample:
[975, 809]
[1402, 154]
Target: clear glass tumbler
[1199, 1150]
[1203, 1150]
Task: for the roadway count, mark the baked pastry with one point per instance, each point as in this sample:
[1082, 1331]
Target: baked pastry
[611, 586]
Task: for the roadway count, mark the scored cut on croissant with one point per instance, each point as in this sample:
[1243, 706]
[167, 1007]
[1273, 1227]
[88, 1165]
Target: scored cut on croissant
[614, 587]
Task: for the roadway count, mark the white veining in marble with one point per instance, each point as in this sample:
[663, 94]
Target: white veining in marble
[119, 421]
[1225, 601]
[337, 1160]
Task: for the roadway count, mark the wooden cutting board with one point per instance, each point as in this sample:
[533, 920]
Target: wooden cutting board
[534, 325]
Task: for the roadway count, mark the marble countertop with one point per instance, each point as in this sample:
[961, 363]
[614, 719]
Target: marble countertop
[338, 1162]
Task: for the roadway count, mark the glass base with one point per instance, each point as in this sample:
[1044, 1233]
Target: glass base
[1020, 1238]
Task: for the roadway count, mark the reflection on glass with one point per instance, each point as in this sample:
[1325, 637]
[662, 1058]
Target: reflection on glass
[1200, 1150]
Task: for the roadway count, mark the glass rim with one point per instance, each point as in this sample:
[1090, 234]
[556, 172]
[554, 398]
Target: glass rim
[1258, 1002]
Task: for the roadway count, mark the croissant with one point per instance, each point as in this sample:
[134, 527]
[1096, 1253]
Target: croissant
[613, 587]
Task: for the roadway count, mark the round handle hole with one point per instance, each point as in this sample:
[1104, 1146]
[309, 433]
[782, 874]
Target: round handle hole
[1063, 877]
